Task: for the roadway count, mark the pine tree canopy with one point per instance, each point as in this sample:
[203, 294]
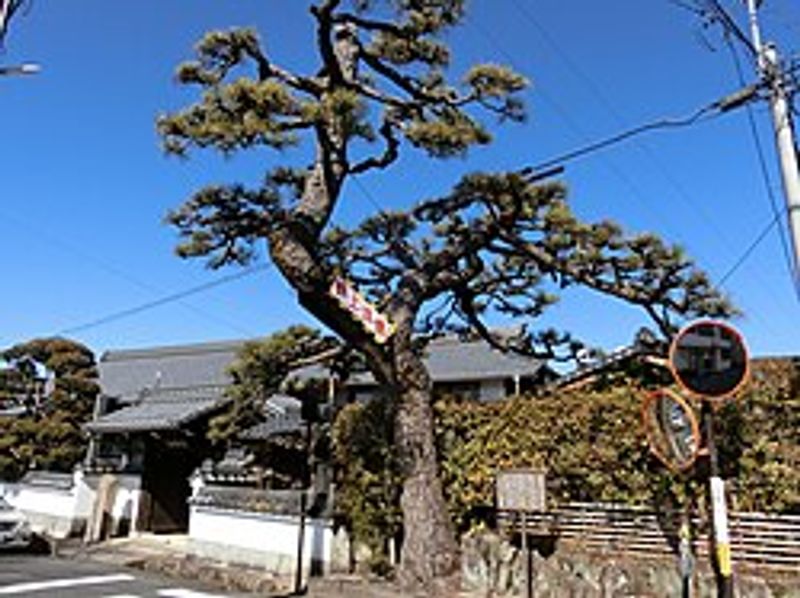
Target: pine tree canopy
[54, 382]
[496, 243]
[262, 369]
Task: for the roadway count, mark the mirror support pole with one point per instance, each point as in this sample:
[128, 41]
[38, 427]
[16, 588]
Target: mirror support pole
[719, 512]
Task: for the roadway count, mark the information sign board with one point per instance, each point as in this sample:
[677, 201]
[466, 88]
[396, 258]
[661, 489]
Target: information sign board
[521, 490]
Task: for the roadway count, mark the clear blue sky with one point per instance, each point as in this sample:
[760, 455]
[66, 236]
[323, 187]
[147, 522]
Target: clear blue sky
[84, 185]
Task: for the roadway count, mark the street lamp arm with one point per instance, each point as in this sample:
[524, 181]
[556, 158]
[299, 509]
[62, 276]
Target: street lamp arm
[26, 68]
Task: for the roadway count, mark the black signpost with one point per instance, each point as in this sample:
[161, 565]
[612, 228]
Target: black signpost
[710, 362]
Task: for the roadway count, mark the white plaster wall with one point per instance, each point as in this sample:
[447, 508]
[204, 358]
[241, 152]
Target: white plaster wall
[53, 511]
[60, 513]
[125, 507]
[127, 497]
[84, 496]
[50, 501]
[259, 539]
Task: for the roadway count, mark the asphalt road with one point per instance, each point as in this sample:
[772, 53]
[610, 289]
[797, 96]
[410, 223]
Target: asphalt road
[34, 576]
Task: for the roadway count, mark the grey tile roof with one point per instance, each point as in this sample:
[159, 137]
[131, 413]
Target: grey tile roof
[168, 386]
[281, 404]
[164, 409]
[124, 374]
[452, 360]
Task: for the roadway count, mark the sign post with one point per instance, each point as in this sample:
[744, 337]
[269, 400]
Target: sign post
[709, 361]
[524, 491]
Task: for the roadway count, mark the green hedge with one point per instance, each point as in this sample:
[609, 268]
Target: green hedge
[590, 442]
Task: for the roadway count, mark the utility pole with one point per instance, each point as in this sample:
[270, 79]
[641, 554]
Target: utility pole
[772, 74]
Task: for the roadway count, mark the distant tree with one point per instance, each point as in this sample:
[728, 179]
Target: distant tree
[496, 244]
[53, 383]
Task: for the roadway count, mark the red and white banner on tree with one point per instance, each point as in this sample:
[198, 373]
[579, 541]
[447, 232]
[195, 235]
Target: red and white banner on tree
[374, 321]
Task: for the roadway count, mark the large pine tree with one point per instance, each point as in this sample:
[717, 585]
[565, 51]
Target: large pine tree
[497, 243]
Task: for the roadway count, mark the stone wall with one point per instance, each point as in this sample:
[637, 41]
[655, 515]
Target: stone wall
[493, 566]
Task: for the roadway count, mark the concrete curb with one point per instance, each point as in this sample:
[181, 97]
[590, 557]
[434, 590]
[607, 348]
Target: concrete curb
[213, 573]
[217, 574]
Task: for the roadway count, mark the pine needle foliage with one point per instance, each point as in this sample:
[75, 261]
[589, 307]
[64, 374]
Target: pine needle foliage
[54, 382]
[260, 370]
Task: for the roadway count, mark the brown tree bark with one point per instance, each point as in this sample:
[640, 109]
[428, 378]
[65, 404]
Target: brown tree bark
[430, 556]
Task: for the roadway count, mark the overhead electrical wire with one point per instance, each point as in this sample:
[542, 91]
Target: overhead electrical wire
[41, 234]
[731, 30]
[708, 221]
[748, 252]
[664, 123]
[171, 298]
[719, 14]
[366, 193]
[635, 191]
[595, 90]
[744, 97]
[179, 295]
[711, 110]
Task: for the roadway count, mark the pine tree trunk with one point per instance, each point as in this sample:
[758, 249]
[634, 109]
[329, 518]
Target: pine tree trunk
[430, 557]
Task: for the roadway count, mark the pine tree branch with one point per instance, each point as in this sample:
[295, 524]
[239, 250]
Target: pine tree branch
[389, 155]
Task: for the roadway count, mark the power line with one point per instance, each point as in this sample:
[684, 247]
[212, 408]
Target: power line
[712, 110]
[664, 123]
[771, 75]
[735, 100]
[171, 298]
[366, 193]
[595, 90]
[731, 27]
[728, 103]
[113, 269]
[713, 12]
[567, 118]
[7, 10]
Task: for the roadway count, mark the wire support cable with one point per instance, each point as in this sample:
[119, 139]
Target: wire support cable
[748, 252]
